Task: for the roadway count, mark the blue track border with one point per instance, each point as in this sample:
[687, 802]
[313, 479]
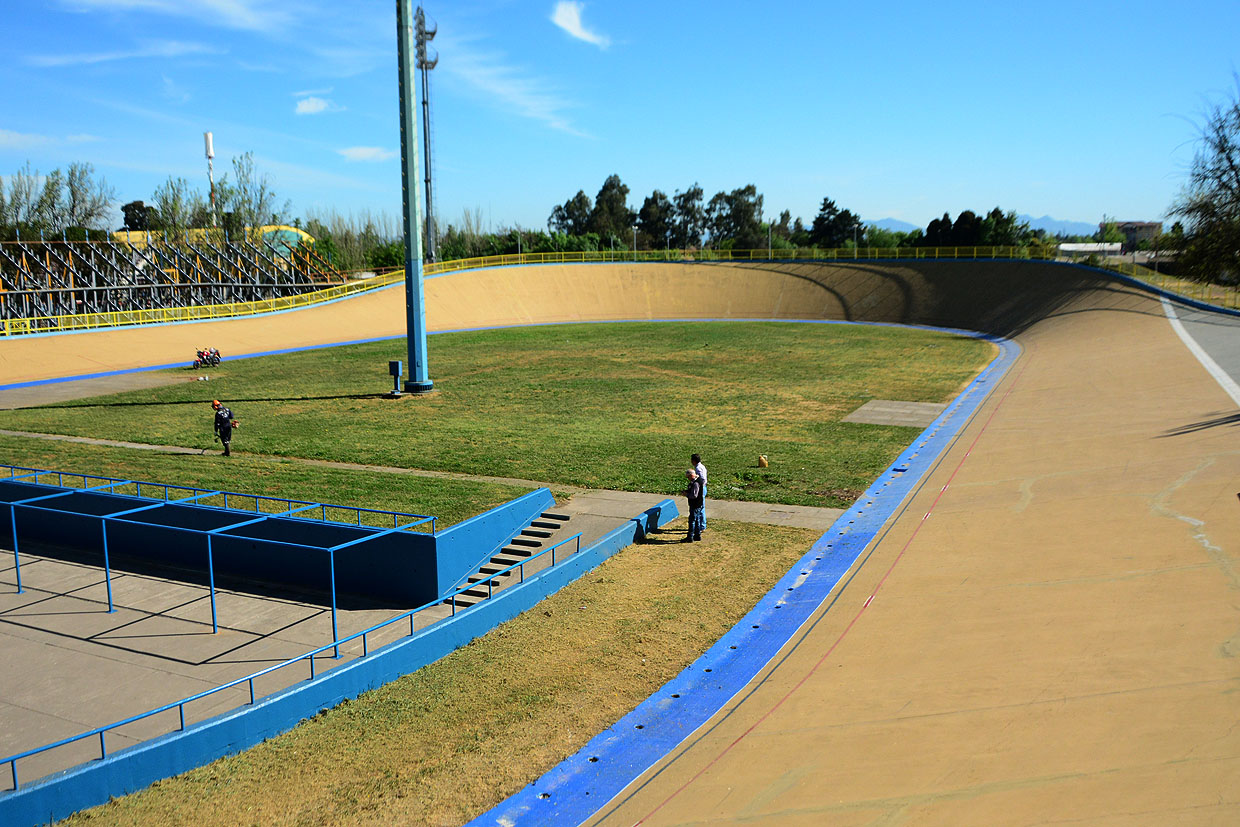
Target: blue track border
[588, 781]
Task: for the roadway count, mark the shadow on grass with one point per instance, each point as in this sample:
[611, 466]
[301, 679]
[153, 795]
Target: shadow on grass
[208, 400]
[664, 536]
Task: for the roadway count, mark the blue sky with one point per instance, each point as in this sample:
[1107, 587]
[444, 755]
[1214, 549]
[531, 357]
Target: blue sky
[900, 109]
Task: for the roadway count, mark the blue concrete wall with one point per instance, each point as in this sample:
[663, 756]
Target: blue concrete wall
[398, 568]
[137, 767]
[465, 546]
[403, 568]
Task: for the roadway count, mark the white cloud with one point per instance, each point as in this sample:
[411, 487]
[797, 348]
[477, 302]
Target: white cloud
[308, 92]
[509, 87]
[173, 91]
[161, 48]
[29, 140]
[567, 15]
[313, 106]
[367, 153]
[251, 15]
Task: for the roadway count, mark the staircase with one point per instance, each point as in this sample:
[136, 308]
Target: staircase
[542, 533]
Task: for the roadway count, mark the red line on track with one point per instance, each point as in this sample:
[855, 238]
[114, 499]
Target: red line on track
[852, 622]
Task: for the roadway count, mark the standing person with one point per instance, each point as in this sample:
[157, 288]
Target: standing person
[696, 459]
[223, 425]
[693, 493]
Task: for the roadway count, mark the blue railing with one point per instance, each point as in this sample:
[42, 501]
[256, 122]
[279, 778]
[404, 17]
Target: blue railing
[196, 498]
[195, 493]
[101, 732]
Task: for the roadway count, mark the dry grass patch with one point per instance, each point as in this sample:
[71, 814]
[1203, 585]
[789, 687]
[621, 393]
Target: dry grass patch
[448, 742]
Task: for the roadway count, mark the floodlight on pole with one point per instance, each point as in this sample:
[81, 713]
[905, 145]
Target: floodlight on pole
[422, 36]
[415, 310]
[210, 150]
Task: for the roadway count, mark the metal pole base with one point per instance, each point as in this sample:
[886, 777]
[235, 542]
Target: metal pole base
[412, 386]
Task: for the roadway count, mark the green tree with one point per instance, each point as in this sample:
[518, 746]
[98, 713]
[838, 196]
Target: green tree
[1210, 204]
[938, 232]
[654, 221]
[967, 230]
[782, 228]
[19, 207]
[611, 215]
[800, 235]
[250, 196]
[735, 219]
[573, 216]
[690, 219]
[1000, 229]
[87, 200]
[1108, 232]
[57, 203]
[833, 227]
[175, 204]
[883, 238]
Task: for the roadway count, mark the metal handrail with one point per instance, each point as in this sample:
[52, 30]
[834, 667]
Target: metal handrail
[290, 505]
[102, 731]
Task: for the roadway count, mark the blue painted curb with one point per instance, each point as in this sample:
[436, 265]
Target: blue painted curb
[589, 781]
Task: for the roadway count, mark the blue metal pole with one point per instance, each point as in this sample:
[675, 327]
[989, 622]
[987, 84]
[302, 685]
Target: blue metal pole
[335, 634]
[107, 569]
[415, 311]
[17, 563]
[215, 626]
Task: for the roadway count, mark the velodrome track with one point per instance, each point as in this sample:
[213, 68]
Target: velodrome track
[1048, 631]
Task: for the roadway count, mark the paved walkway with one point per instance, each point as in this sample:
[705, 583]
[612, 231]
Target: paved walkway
[72, 666]
[614, 503]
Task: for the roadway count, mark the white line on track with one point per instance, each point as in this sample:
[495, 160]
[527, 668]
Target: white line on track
[1226, 382]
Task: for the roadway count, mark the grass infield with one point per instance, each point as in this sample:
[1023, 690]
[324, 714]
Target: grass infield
[616, 406]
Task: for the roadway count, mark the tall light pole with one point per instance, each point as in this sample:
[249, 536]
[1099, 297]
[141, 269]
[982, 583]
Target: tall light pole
[415, 309]
[210, 148]
[422, 37]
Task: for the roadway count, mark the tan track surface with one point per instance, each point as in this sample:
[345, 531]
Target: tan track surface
[958, 294]
[1056, 642]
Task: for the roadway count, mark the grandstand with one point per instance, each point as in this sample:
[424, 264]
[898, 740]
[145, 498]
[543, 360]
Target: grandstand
[129, 271]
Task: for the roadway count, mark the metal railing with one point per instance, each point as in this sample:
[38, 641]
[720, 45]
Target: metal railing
[40, 502]
[1222, 295]
[262, 503]
[101, 732]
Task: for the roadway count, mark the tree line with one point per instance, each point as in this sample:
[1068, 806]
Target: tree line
[74, 202]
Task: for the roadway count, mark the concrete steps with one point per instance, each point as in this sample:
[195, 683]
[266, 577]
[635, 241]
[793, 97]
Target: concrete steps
[542, 532]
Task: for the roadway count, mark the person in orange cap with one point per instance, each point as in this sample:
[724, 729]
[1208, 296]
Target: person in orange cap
[223, 425]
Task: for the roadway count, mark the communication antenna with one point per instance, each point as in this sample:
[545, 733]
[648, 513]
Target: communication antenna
[210, 148]
[423, 35]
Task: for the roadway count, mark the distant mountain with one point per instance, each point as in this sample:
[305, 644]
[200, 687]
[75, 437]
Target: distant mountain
[894, 224]
[1056, 227]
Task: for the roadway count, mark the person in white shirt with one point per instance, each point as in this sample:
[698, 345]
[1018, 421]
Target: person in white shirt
[696, 459]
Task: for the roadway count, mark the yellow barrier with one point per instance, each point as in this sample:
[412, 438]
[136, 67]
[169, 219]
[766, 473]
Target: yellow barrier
[1211, 293]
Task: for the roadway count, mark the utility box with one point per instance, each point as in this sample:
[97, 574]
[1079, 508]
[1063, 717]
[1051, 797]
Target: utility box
[396, 369]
